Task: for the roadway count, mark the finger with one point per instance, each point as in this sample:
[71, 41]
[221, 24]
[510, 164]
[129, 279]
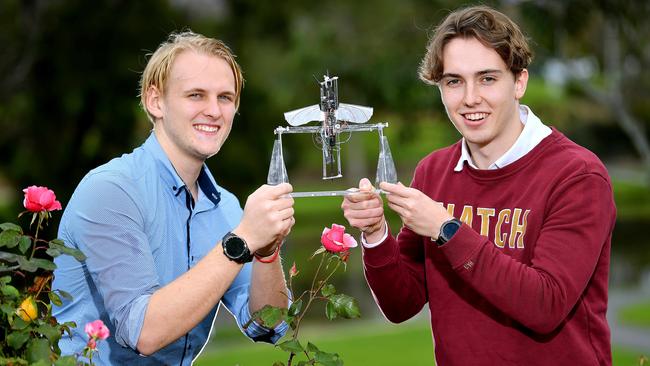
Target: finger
[286, 213]
[365, 185]
[361, 196]
[363, 214]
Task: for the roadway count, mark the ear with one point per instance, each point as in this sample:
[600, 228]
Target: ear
[521, 81]
[154, 102]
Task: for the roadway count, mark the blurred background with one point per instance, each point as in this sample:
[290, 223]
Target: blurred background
[69, 102]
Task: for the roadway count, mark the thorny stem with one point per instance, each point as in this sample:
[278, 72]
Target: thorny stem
[312, 296]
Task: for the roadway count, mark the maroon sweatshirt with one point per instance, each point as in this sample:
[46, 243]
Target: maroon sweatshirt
[524, 280]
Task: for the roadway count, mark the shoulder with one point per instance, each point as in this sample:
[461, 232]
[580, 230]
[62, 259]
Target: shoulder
[439, 159]
[568, 157]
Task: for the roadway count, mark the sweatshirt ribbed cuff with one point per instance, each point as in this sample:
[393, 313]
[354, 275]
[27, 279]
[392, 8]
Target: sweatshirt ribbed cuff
[462, 247]
[384, 253]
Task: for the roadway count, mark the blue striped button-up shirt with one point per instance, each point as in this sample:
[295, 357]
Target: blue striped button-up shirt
[137, 224]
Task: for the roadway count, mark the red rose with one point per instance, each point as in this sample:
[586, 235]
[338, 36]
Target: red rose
[39, 199]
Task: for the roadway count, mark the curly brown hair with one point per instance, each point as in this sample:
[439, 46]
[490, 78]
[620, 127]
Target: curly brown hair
[490, 27]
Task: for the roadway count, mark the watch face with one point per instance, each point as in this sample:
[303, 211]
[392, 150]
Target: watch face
[235, 247]
[450, 229]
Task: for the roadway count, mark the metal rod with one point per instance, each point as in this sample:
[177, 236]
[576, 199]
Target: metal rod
[331, 193]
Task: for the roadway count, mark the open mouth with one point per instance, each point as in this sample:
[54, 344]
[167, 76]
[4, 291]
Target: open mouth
[207, 128]
[475, 117]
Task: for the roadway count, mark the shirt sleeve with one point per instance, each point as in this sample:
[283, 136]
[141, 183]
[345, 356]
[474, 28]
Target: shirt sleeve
[236, 300]
[107, 225]
[541, 294]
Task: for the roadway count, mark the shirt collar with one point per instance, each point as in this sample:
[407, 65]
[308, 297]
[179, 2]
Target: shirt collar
[533, 133]
[170, 177]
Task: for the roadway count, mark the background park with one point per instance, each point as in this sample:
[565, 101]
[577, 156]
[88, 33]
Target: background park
[69, 102]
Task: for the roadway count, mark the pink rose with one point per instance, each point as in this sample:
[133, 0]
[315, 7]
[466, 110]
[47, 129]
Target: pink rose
[39, 199]
[97, 330]
[335, 240]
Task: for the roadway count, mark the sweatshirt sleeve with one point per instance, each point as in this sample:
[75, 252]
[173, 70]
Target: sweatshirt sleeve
[395, 272]
[540, 295]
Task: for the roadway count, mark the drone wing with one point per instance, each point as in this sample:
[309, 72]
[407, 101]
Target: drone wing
[304, 115]
[353, 113]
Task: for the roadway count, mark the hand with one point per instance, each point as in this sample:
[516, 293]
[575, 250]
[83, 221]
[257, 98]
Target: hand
[418, 211]
[268, 217]
[365, 211]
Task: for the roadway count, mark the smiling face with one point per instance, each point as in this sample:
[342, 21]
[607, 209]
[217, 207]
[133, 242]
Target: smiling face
[194, 116]
[481, 97]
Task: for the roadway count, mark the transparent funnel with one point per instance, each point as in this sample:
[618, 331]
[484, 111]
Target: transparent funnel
[385, 166]
[277, 169]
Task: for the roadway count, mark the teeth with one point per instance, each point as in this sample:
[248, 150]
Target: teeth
[475, 116]
[206, 128]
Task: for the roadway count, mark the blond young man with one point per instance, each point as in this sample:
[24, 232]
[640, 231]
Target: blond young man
[506, 234]
[166, 245]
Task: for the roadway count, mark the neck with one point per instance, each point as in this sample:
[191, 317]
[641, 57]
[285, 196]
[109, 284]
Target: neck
[187, 168]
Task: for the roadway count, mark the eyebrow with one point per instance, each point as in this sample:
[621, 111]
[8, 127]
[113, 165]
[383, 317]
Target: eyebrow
[478, 73]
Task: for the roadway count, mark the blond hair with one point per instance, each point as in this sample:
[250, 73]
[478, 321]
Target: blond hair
[490, 27]
[160, 62]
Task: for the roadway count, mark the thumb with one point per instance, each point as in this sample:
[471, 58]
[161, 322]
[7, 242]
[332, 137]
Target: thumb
[365, 185]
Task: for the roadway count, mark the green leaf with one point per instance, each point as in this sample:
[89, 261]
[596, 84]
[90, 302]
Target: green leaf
[58, 244]
[50, 332]
[278, 363]
[330, 311]
[7, 309]
[10, 291]
[295, 308]
[46, 264]
[66, 361]
[10, 226]
[65, 295]
[328, 290]
[269, 315]
[292, 346]
[54, 298]
[24, 243]
[345, 306]
[10, 257]
[9, 238]
[5, 280]
[18, 324]
[328, 359]
[317, 252]
[16, 340]
[312, 347]
[38, 349]
[26, 264]
[304, 363]
[53, 252]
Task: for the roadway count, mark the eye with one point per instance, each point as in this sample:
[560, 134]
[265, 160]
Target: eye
[488, 79]
[195, 96]
[227, 97]
[452, 82]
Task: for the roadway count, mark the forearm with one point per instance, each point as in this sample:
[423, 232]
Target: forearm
[176, 308]
[395, 273]
[268, 286]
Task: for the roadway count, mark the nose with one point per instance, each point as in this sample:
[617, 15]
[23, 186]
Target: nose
[213, 108]
[472, 95]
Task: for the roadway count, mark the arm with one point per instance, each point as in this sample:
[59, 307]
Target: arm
[539, 295]
[395, 272]
[182, 304]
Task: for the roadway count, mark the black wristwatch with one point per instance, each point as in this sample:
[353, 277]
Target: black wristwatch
[447, 230]
[236, 249]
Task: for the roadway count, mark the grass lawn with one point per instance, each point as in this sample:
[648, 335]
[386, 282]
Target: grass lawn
[362, 343]
[637, 315]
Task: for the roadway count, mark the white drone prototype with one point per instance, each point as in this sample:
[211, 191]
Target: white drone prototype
[334, 118]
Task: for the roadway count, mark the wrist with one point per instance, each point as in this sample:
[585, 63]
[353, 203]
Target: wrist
[268, 258]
